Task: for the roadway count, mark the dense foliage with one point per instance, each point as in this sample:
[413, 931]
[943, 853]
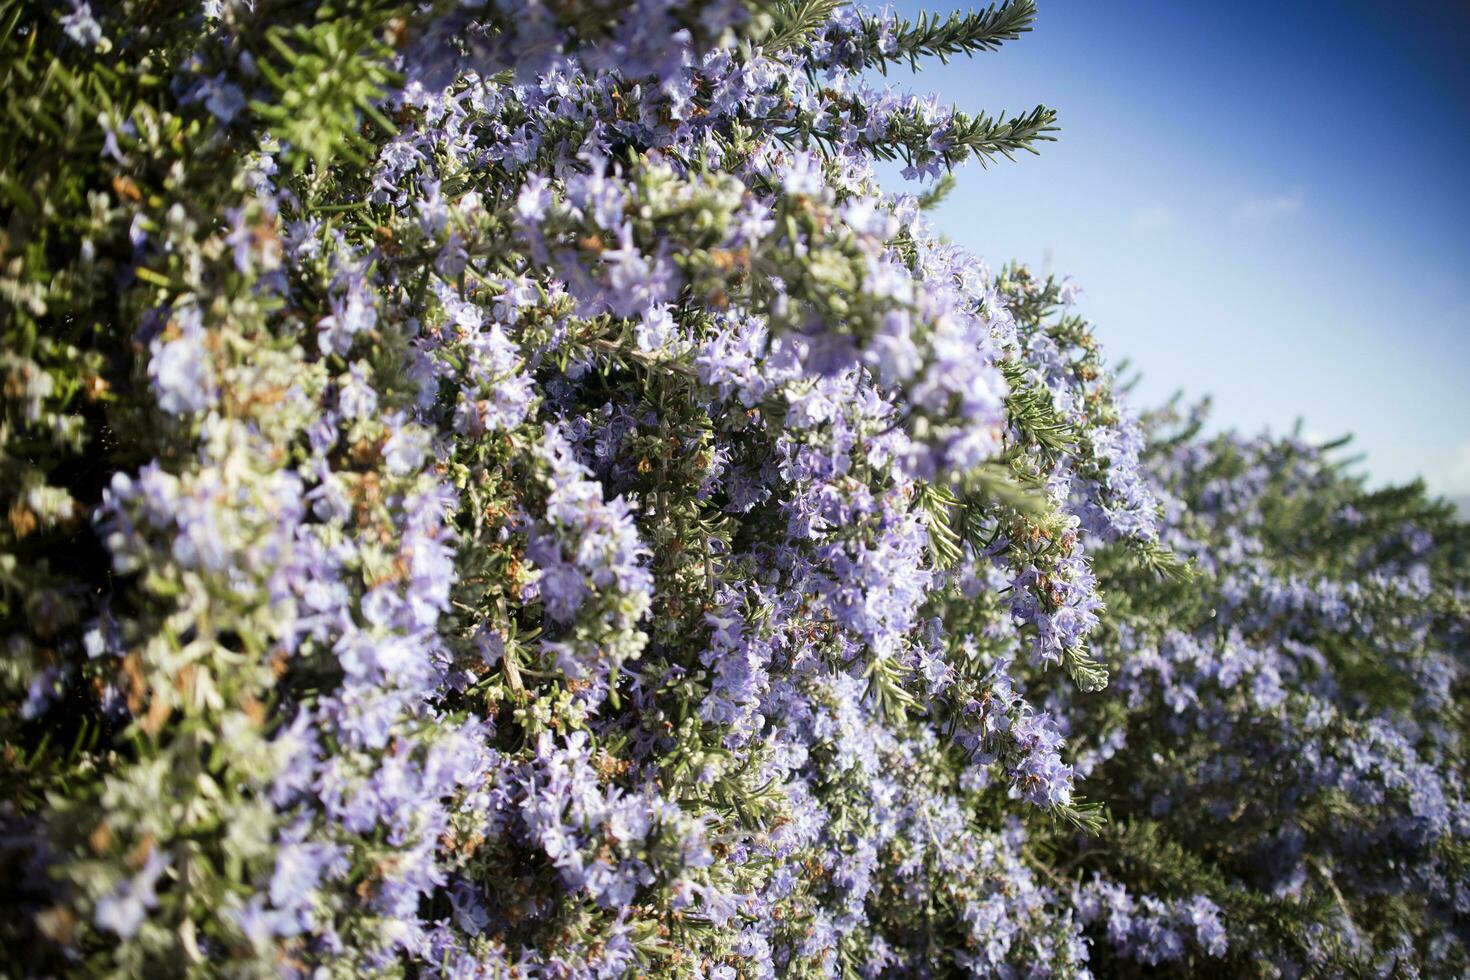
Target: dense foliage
[498, 489]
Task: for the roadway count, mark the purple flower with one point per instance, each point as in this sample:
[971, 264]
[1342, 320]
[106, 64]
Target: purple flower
[181, 369]
[353, 312]
[81, 26]
[123, 909]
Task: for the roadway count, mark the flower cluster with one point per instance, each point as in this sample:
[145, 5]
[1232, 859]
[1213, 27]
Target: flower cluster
[500, 489]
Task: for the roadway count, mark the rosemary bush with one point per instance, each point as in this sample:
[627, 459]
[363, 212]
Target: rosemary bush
[498, 489]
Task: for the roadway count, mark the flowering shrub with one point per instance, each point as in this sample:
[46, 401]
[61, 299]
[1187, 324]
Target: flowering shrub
[499, 490]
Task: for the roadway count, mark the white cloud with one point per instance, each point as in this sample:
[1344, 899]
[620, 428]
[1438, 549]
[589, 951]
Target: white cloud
[1273, 207]
[1315, 437]
[1453, 477]
[1154, 217]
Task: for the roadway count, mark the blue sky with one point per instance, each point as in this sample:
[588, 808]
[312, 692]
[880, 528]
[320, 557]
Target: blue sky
[1266, 203]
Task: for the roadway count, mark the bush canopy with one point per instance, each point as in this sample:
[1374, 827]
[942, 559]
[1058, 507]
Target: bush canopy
[498, 489]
